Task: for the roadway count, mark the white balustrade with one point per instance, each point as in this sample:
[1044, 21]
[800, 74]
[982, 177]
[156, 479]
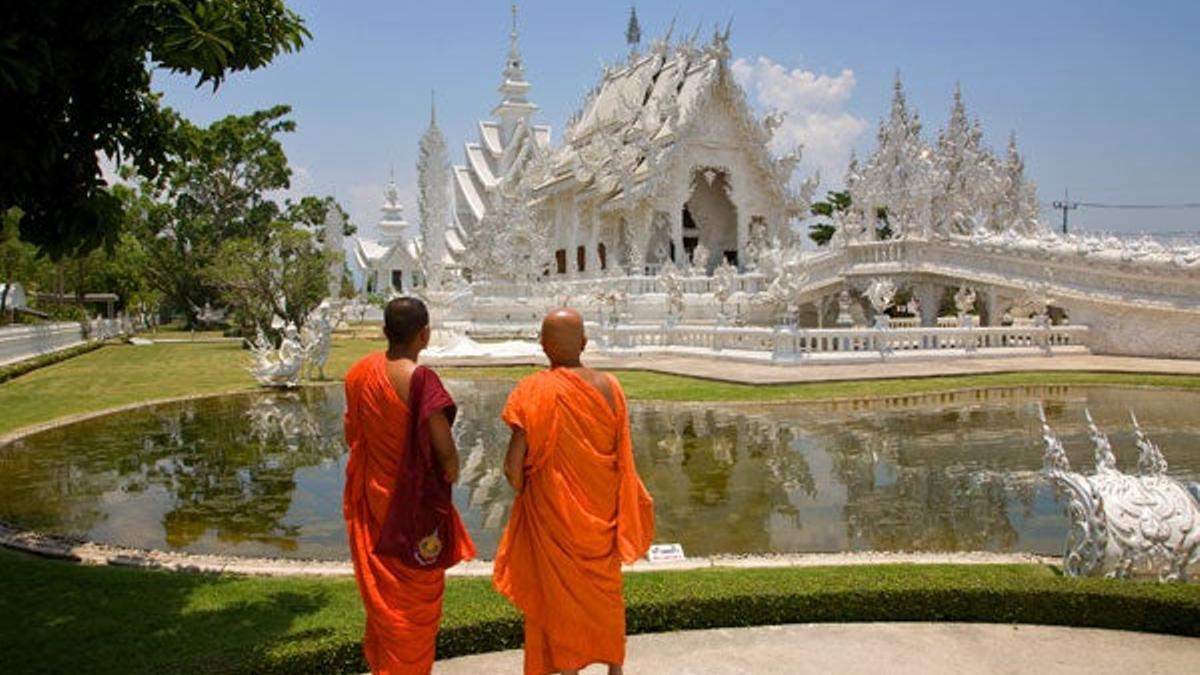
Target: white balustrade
[799, 343]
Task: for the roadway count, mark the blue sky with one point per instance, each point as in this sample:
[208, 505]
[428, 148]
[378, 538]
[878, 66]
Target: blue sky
[1102, 95]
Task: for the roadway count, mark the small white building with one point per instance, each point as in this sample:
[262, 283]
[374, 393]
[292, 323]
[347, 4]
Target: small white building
[13, 297]
[389, 265]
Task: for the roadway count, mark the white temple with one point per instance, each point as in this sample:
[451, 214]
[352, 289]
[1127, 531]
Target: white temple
[391, 263]
[663, 215]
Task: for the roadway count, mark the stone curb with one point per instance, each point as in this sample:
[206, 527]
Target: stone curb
[91, 553]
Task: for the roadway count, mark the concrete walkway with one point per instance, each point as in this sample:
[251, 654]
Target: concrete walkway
[716, 368]
[885, 649]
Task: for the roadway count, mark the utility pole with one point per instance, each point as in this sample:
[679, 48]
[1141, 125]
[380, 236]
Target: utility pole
[1066, 205]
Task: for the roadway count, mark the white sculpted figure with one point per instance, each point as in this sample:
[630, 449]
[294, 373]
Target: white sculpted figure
[612, 298]
[881, 293]
[1124, 525]
[723, 286]
[673, 286]
[844, 317]
[278, 368]
[316, 337]
[783, 292]
[700, 257]
[964, 302]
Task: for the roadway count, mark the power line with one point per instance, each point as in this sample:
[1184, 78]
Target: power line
[1095, 205]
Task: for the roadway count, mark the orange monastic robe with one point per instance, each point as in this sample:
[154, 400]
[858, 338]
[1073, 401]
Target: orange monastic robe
[582, 513]
[404, 604]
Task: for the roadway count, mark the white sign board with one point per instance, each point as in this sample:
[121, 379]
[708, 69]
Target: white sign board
[665, 553]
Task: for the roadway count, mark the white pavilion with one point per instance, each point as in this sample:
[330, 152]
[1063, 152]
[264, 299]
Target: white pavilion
[389, 264]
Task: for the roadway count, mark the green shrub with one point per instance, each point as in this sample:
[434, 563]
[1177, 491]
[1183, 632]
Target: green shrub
[60, 617]
[14, 370]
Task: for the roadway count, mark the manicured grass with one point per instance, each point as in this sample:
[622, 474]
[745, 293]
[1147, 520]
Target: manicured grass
[658, 386]
[58, 617]
[121, 374]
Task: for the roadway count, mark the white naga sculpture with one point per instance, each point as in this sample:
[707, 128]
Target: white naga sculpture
[881, 293]
[278, 368]
[1122, 525]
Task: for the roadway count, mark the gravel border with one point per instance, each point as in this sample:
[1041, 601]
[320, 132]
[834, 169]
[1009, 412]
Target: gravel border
[91, 553]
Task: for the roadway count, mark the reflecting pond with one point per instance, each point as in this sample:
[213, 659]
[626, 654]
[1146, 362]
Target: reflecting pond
[261, 474]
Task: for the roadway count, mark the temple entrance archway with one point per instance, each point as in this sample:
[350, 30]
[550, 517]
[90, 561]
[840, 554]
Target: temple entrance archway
[709, 217]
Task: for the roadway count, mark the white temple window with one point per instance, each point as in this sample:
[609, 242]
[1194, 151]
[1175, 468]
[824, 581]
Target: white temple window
[560, 261]
[398, 281]
[581, 258]
[602, 253]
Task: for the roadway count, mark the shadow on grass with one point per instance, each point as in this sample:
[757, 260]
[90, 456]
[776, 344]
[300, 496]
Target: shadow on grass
[56, 617]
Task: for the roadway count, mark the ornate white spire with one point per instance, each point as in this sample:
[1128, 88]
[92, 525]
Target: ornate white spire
[633, 32]
[433, 198]
[1017, 209]
[965, 179]
[392, 224]
[896, 176]
[514, 106]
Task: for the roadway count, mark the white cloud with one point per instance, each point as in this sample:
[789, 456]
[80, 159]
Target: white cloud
[814, 105]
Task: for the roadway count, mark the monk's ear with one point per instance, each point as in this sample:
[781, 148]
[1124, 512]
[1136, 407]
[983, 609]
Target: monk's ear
[426, 334]
[583, 343]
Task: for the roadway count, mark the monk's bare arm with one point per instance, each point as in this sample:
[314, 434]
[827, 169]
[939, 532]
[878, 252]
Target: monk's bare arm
[443, 446]
[514, 460]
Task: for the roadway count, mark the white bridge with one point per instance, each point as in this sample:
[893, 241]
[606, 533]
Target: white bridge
[1093, 295]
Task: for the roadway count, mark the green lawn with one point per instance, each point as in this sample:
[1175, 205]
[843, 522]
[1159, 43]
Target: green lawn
[57, 617]
[120, 374]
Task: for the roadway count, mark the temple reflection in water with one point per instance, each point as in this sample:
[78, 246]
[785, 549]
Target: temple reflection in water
[262, 474]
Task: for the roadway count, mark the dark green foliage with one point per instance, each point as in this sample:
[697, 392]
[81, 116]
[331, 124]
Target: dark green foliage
[59, 617]
[75, 82]
[838, 203]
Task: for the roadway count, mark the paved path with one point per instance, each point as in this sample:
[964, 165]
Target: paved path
[885, 648]
[765, 373]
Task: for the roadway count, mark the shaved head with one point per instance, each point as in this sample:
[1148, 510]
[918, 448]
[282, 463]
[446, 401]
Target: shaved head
[563, 339]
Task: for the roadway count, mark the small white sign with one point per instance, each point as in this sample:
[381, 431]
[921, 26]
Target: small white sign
[665, 553]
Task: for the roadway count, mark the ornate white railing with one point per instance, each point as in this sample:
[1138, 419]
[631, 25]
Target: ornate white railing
[789, 342]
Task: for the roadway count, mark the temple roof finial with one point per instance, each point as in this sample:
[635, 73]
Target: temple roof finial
[513, 69]
[433, 107]
[633, 32]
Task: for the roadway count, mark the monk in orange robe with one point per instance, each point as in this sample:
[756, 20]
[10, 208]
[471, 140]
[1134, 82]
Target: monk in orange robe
[580, 509]
[403, 602]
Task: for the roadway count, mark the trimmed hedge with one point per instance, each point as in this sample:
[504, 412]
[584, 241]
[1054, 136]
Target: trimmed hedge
[62, 617]
[477, 621]
[15, 370]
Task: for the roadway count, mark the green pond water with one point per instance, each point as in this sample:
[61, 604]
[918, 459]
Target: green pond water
[261, 474]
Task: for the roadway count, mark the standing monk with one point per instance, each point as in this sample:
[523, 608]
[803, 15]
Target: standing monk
[580, 509]
[403, 599]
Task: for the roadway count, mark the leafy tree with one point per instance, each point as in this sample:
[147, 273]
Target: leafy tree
[75, 81]
[838, 203]
[284, 275]
[216, 191]
[835, 203]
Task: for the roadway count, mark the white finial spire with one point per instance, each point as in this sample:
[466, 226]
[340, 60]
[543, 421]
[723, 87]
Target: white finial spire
[633, 32]
[513, 69]
[514, 106]
[433, 107]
